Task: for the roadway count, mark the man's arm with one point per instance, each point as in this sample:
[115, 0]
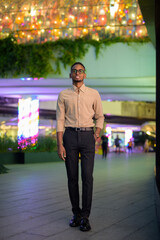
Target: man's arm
[61, 149]
[98, 116]
[60, 116]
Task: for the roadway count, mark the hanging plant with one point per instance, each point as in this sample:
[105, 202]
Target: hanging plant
[34, 60]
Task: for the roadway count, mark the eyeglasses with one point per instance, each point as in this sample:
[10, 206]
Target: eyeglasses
[80, 71]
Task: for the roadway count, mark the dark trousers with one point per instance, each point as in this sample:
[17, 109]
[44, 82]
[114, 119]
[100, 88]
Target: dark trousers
[76, 142]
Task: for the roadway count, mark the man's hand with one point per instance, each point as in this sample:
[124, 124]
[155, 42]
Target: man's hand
[61, 152]
[61, 149]
[96, 136]
[97, 133]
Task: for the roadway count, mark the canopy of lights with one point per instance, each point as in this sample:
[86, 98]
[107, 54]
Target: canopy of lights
[48, 20]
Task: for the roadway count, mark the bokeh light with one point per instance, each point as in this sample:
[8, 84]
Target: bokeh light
[48, 20]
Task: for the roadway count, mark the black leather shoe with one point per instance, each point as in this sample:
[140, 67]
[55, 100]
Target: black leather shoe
[85, 225]
[75, 221]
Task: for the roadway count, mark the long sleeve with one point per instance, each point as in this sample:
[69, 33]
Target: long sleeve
[99, 117]
[78, 109]
[60, 114]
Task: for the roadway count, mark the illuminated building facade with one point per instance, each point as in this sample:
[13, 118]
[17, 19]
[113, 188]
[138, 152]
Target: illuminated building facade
[48, 20]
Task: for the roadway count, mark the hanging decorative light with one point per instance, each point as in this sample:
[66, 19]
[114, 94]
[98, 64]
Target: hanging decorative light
[26, 17]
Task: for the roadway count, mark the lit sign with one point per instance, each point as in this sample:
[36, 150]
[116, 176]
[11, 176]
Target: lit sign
[108, 133]
[128, 135]
[28, 120]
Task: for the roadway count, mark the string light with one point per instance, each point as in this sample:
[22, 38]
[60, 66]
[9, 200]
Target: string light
[31, 20]
[102, 12]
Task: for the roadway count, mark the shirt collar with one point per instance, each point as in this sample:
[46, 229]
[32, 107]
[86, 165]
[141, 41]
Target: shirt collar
[82, 88]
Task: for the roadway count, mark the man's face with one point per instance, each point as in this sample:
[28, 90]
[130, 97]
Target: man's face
[78, 73]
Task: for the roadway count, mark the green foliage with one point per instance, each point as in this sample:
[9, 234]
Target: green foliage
[34, 60]
[47, 144]
[8, 50]
[7, 144]
[34, 63]
[44, 144]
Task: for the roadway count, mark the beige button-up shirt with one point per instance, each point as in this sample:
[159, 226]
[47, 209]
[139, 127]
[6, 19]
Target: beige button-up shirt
[78, 108]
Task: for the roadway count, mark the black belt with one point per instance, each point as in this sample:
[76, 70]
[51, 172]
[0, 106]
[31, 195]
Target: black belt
[81, 129]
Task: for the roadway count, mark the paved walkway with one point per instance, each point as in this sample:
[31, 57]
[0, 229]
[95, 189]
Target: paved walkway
[34, 203]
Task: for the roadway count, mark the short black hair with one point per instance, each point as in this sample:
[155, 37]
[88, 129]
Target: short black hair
[79, 64]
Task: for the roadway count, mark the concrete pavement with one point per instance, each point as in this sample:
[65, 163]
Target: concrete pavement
[34, 202]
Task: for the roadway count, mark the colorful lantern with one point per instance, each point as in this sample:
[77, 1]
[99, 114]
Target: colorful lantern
[62, 16]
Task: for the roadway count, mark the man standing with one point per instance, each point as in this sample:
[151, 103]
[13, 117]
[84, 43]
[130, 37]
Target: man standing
[117, 144]
[104, 145]
[77, 108]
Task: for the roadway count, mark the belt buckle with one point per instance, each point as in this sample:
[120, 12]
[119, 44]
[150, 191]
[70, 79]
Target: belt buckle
[78, 129]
